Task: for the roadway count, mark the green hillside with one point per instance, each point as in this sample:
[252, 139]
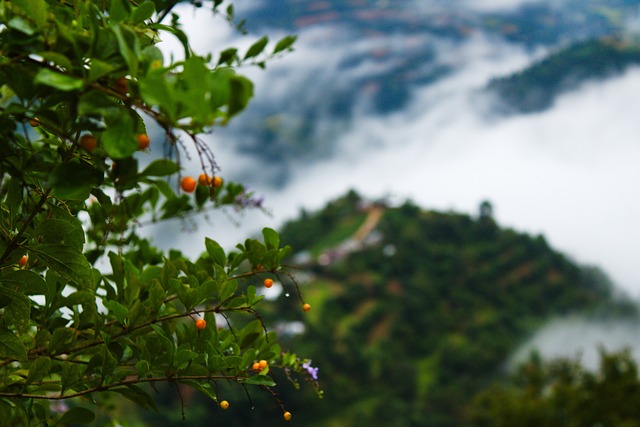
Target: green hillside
[536, 88]
[413, 314]
[420, 309]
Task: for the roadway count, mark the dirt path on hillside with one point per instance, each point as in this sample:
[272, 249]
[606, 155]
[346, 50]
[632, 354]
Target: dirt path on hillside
[373, 217]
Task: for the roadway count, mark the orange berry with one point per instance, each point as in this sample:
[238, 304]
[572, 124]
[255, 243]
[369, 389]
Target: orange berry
[256, 366]
[268, 283]
[287, 416]
[23, 261]
[306, 307]
[188, 184]
[34, 122]
[204, 180]
[224, 404]
[262, 364]
[88, 142]
[143, 141]
[122, 85]
[217, 182]
[201, 324]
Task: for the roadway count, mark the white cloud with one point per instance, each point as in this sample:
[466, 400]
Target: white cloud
[496, 5]
[569, 172]
[575, 337]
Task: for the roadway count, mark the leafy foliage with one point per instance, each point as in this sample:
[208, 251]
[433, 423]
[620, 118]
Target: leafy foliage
[87, 306]
[564, 393]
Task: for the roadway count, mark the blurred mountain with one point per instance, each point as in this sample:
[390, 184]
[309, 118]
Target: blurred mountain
[535, 88]
[416, 311]
[371, 56]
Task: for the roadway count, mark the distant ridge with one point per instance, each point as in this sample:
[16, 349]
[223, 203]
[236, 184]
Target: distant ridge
[418, 310]
[536, 88]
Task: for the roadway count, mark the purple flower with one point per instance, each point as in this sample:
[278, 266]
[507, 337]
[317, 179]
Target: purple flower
[58, 407]
[247, 200]
[313, 372]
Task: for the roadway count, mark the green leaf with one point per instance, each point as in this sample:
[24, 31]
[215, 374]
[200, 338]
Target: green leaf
[143, 12]
[284, 43]
[118, 140]
[57, 80]
[248, 357]
[136, 395]
[197, 95]
[61, 339]
[39, 369]
[241, 93]
[77, 415]
[74, 180]
[99, 69]
[77, 298]
[69, 263]
[57, 58]
[37, 10]
[11, 347]
[95, 102]
[129, 47]
[168, 343]
[20, 24]
[18, 310]
[26, 281]
[203, 387]
[271, 238]
[226, 290]
[56, 230]
[215, 251]
[228, 55]
[183, 357]
[70, 376]
[256, 48]
[180, 35]
[119, 311]
[156, 91]
[118, 10]
[262, 380]
[142, 366]
[161, 167]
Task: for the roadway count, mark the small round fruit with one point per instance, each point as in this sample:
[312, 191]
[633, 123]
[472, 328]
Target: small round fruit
[256, 366]
[224, 404]
[201, 324]
[122, 85]
[188, 184]
[287, 416]
[306, 307]
[268, 283]
[216, 182]
[204, 180]
[262, 364]
[88, 142]
[23, 261]
[143, 141]
[34, 122]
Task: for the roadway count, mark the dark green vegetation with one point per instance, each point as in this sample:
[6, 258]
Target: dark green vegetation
[563, 394]
[413, 314]
[408, 328]
[535, 88]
